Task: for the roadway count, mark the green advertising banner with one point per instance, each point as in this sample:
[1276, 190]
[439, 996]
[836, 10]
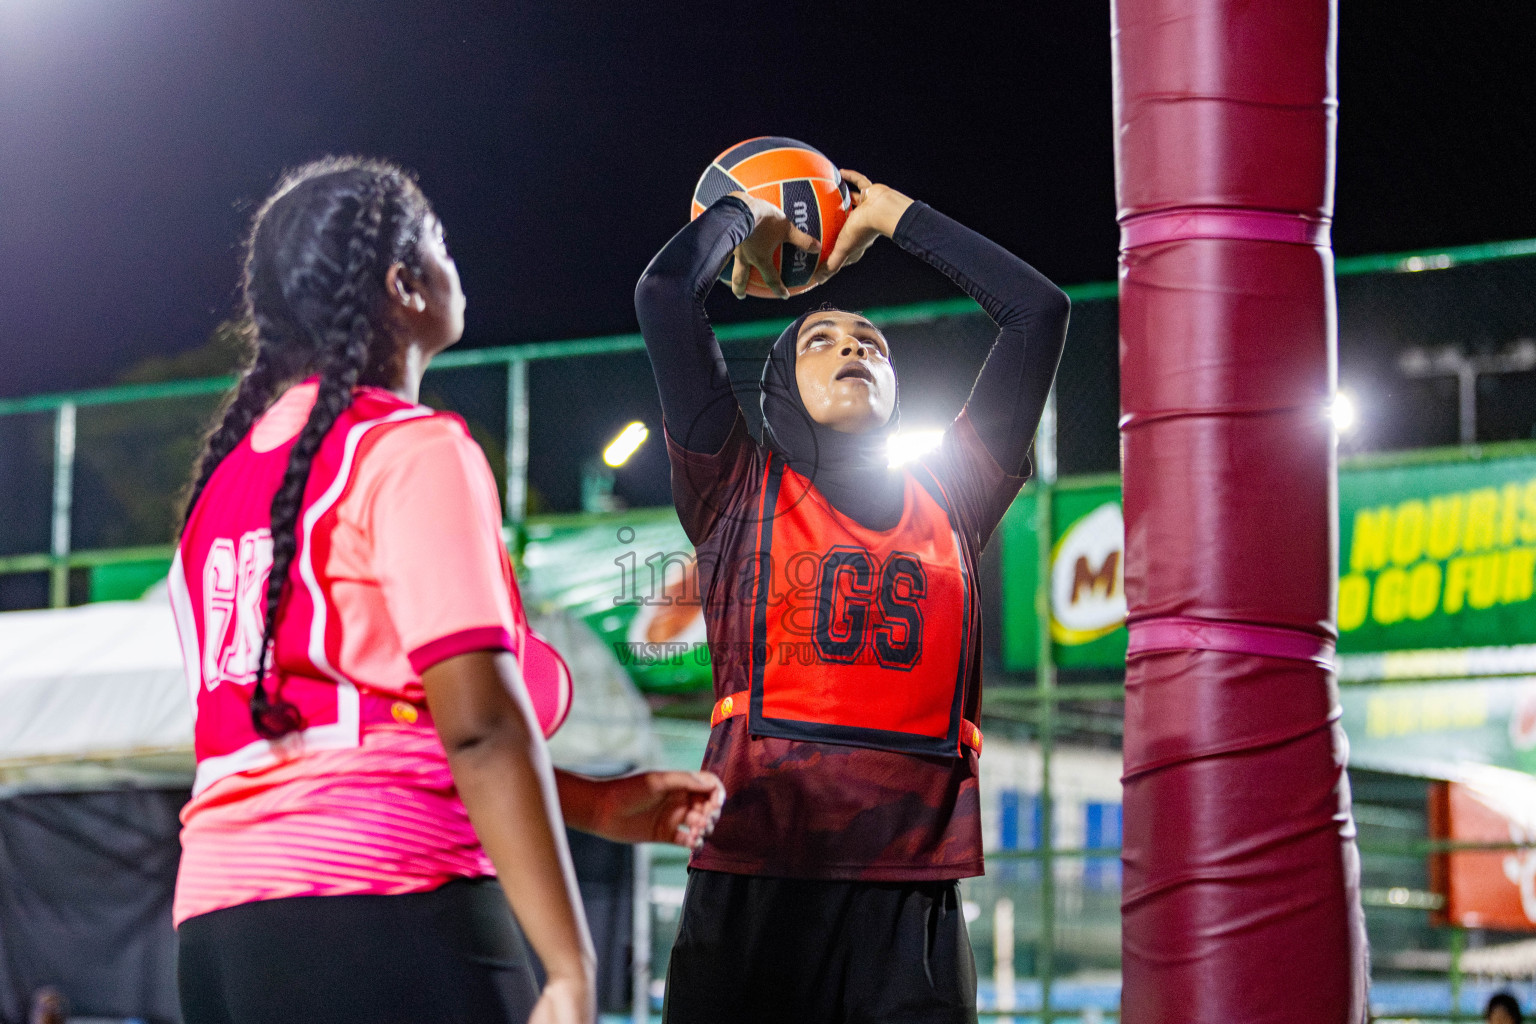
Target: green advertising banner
[1437, 555]
[1436, 550]
[630, 576]
[1434, 729]
[1087, 577]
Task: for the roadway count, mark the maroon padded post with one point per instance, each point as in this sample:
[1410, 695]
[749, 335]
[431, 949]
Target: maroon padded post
[1241, 898]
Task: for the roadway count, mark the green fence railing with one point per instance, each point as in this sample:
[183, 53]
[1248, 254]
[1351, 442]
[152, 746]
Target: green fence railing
[62, 556]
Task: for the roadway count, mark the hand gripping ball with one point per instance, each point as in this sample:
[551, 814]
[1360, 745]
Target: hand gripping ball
[798, 180]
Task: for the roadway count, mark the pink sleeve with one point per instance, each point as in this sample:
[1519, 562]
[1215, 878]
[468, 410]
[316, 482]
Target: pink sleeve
[435, 525]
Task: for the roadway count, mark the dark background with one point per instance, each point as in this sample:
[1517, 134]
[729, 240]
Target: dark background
[560, 144]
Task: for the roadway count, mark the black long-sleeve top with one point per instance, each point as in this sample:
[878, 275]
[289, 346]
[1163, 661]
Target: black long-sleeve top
[1009, 393]
[855, 812]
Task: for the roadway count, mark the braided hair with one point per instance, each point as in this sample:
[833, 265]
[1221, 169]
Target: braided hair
[313, 297]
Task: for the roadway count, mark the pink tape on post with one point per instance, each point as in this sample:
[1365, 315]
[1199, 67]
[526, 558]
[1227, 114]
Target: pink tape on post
[1216, 222]
[1177, 633]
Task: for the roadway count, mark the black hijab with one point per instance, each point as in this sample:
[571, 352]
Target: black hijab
[852, 471]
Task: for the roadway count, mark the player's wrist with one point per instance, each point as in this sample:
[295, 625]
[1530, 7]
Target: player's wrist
[577, 973]
[605, 804]
[760, 209]
[575, 997]
[893, 207]
[617, 804]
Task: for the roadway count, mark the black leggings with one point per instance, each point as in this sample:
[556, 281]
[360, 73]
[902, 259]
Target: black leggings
[453, 954]
[756, 950]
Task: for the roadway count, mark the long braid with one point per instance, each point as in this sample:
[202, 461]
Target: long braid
[252, 394]
[313, 289]
[348, 342]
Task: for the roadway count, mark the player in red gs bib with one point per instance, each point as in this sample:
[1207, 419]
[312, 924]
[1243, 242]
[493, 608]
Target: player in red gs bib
[370, 704]
[840, 597]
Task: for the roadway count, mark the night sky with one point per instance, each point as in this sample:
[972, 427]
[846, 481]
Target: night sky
[560, 143]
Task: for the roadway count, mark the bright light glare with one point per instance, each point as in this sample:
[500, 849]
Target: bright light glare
[1414, 264]
[622, 447]
[1343, 412]
[907, 445]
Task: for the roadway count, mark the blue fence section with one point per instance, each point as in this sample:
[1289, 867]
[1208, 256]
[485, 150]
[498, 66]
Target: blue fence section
[1101, 831]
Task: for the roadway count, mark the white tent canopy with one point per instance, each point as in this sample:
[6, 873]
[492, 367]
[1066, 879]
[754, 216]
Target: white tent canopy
[100, 684]
[95, 696]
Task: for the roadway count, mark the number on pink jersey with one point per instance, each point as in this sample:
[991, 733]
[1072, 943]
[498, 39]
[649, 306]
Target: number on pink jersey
[234, 593]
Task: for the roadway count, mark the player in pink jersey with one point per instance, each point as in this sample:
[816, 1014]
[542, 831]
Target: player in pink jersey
[370, 703]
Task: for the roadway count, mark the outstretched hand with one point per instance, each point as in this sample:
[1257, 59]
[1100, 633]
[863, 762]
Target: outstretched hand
[770, 229]
[661, 807]
[877, 209]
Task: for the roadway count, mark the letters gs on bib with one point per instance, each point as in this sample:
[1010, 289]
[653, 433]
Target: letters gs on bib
[864, 610]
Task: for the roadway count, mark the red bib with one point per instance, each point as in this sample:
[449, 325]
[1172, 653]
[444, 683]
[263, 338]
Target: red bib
[860, 636]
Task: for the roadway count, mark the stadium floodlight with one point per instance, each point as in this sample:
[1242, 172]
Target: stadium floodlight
[626, 444]
[1343, 412]
[906, 445]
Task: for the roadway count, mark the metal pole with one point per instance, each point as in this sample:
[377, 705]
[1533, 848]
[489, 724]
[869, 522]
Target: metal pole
[1458, 944]
[1045, 681]
[640, 938]
[1466, 393]
[517, 440]
[1002, 957]
[63, 503]
[1045, 442]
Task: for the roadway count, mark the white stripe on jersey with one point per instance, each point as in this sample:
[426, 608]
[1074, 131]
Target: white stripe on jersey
[186, 629]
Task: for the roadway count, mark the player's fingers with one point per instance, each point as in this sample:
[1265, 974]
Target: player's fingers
[701, 782]
[771, 277]
[686, 782]
[823, 272]
[839, 255]
[694, 797]
[858, 180]
[703, 814]
[692, 831]
[740, 273]
[803, 240]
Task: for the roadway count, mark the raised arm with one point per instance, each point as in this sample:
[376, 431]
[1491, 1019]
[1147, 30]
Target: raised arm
[1030, 312]
[1031, 317]
[691, 376]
